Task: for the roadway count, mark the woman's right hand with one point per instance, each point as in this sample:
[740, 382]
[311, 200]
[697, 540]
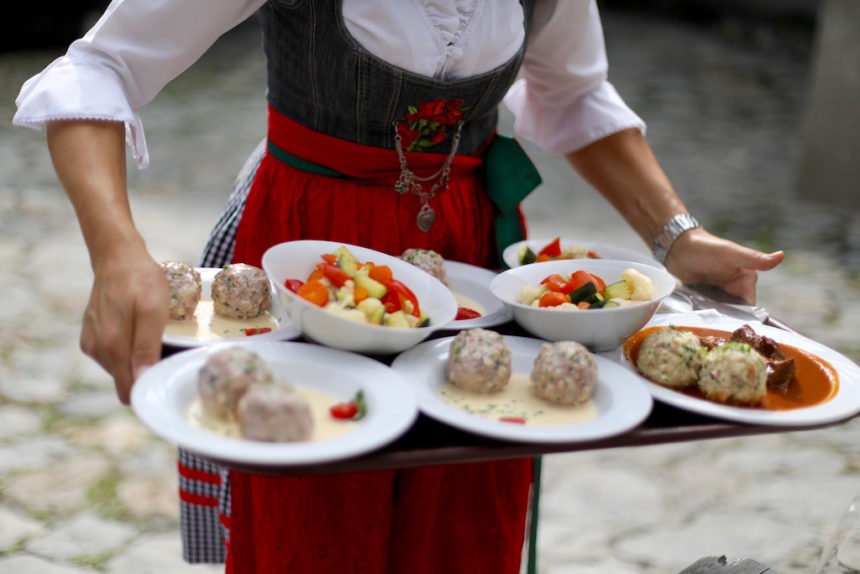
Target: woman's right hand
[125, 316]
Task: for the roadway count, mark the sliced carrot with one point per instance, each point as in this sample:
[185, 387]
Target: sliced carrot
[381, 273]
[552, 299]
[359, 295]
[583, 304]
[543, 257]
[315, 292]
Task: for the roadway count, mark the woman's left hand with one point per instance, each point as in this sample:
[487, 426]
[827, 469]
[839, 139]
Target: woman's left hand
[699, 257]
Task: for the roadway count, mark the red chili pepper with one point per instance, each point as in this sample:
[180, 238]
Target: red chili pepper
[335, 274]
[257, 331]
[552, 249]
[403, 294]
[515, 420]
[464, 313]
[293, 285]
[344, 410]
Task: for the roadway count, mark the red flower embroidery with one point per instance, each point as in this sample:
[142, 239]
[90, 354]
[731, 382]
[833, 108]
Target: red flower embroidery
[425, 125]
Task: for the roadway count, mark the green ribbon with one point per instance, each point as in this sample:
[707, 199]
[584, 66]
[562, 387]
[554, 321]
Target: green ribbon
[299, 163]
[509, 177]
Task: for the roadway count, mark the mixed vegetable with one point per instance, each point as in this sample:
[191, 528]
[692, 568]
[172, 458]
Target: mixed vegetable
[363, 292]
[353, 410]
[584, 290]
[553, 251]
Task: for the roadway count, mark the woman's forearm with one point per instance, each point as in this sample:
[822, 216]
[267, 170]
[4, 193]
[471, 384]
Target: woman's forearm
[624, 170]
[89, 158]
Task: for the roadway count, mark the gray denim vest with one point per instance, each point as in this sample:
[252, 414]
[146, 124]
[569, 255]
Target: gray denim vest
[320, 77]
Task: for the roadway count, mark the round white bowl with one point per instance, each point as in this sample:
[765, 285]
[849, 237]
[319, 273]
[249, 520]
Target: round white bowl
[297, 259]
[597, 329]
[511, 253]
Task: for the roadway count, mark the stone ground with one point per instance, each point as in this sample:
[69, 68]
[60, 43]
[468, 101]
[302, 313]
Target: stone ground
[84, 487]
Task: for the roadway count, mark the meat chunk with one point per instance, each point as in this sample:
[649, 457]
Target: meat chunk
[185, 289]
[564, 373]
[226, 376]
[241, 291]
[275, 412]
[780, 370]
[479, 361]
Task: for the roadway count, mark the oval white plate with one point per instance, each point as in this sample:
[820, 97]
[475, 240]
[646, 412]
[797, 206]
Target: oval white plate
[621, 399]
[605, 250]
[160, 398]
[286, 328]
[845, 404]
[474, 283]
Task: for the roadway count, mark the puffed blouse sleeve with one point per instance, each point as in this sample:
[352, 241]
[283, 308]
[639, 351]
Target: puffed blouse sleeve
[563, 101]
[130, 54]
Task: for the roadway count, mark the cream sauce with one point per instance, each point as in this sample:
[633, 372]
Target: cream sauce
[206, 324]
[326, 427]
[517, 400]
[463, 301]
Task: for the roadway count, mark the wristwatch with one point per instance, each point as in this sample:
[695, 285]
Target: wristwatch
[677, 226]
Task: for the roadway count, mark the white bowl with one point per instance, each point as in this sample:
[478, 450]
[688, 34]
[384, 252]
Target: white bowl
[597, 329]
[606, 251]
[297, 259]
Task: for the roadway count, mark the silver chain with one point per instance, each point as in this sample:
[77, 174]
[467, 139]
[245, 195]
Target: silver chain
[408, 182]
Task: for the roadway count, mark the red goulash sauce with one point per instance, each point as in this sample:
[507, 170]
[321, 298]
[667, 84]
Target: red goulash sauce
[815, 380]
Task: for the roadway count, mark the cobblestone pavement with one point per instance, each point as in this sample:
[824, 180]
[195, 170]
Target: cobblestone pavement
[85, 488]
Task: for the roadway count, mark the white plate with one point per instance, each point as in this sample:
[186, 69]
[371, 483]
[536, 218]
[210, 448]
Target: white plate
[621, 399]
[162, 395]
[605, 250]
[845, 404]
[286, 329]
[474, 283]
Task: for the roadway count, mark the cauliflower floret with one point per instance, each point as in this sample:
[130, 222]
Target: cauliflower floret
[575, 252]
[351, 314]
[529, 294]
[643, 289]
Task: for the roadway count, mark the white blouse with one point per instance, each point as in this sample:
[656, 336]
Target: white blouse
[562, 102]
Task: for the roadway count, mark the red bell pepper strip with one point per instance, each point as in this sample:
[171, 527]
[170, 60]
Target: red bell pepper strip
[551, 249]
[515, 420]
[329, 258]
[257, 331]
[293, 285]
[344, 410]
[391, 302]
[555, 282]
[335, 274]
[464, 313]
[403, 294]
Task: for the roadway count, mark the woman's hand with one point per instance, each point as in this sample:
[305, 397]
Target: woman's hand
[699, 257]
[125, 316]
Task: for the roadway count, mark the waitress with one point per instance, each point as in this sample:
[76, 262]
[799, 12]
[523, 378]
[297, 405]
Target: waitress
[381, 132]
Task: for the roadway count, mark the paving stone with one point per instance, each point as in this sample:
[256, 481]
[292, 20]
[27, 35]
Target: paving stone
[59, 487]
[91, 404]
[15, 527]
[737, 535]
[32, 565]
[596, 566]
[26, 389]
[120, 434]
[149, 496]
[32, 453]
[157, 554]
[89, 373]
[17, 421]
[82, 535]
[157, 459]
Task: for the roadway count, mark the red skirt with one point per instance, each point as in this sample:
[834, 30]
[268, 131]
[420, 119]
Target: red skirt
[452, 518]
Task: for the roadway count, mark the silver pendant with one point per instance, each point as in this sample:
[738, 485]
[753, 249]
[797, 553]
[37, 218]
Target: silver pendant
[425, 218]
